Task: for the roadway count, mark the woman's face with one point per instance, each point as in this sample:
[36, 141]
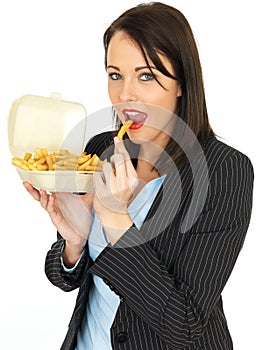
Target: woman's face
[136, 95]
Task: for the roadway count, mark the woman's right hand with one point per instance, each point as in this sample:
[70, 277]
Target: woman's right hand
[71, 215]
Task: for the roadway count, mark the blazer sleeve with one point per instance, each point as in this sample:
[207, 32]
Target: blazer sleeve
[67, 281]
[177, 305]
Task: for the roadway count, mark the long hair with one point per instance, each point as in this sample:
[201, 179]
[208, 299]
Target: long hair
[158, 28]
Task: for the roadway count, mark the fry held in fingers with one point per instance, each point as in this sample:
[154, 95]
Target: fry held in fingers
[124, 129]
[42, 160]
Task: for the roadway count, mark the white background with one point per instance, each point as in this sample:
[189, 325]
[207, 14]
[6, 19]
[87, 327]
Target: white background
[56, 45]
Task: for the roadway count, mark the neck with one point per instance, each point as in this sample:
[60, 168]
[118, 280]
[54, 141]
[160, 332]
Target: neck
[148, 155]
[150, 152]
[146, 171]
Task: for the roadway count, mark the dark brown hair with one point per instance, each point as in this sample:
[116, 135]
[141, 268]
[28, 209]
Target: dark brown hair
[158, 28]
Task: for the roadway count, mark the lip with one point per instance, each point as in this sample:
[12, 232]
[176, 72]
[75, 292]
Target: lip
[138, 117]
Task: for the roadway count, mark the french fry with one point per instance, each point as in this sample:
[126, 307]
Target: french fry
[84, 166]
[21, 163]
[93, 168]
[94, 159]
[44, 152]
[38, 153]
[42, 160]
[42, 167]
[27, 156]
[84, 158]
[89, 162]
[31, 167]
[49, 162]
[124, 128]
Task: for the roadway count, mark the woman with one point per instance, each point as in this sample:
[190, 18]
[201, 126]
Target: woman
[152, 249]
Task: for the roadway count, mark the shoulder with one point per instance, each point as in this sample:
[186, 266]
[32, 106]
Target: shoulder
[231, 178]
[216, 162]
[221, 155]
[222, 188]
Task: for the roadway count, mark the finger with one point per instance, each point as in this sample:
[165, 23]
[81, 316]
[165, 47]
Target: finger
[87, 201]
[120, 149]
[109, 172]
[119, 164]
[87, 198]
[98, 180]
[50, 204]
[32, 191]
[122, 161]
[44, 199]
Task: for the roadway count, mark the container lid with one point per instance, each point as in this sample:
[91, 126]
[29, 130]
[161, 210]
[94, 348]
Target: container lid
[46, 122]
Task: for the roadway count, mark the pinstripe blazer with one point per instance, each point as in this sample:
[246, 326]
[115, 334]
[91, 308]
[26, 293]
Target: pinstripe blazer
[170, 279]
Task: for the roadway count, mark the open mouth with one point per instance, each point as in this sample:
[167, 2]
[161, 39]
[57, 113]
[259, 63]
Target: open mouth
[138, 118]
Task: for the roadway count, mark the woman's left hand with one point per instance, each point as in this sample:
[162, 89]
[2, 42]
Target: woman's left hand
[115, 187]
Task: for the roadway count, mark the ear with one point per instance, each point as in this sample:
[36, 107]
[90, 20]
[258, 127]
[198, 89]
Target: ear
[179, 91]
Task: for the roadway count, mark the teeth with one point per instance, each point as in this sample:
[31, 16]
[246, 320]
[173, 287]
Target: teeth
[133, 113]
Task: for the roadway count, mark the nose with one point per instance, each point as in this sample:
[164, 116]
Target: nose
[128, 92]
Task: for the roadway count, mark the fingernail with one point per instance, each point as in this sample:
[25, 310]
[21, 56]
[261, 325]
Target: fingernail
[116, 139]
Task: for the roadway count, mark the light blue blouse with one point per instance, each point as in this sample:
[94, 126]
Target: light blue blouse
[94, 333]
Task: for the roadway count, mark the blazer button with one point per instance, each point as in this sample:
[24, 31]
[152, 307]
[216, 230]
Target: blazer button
[121, 337]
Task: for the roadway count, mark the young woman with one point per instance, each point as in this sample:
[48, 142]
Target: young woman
[152, 249]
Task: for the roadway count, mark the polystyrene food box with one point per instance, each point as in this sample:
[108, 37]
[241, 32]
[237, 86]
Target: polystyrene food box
[54, 124]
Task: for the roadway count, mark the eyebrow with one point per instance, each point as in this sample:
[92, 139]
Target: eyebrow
[136, 69]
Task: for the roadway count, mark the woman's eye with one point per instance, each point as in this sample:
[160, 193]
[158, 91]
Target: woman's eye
[147, 76]
[115, 76]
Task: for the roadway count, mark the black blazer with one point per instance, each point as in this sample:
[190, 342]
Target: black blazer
[171, 273]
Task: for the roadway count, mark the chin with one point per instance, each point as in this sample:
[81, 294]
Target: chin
[135, 137]
[137, 140]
